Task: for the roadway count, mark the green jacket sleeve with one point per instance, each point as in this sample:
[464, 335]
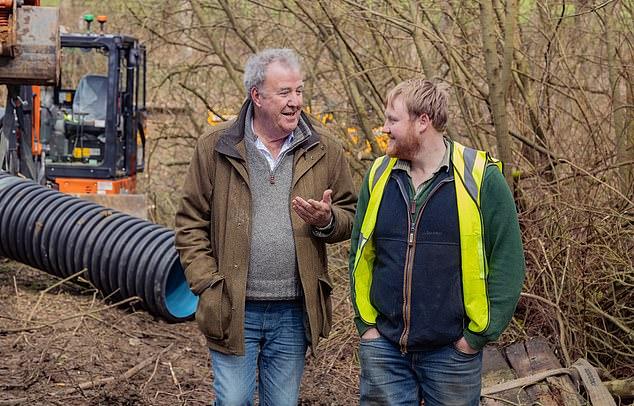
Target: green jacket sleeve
[362, 205]
[505, 256]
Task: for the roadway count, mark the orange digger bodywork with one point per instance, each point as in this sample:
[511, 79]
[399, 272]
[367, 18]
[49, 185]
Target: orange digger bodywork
[97, 186]
[118, 194]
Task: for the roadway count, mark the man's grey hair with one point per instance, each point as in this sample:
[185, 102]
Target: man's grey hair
[256, 65]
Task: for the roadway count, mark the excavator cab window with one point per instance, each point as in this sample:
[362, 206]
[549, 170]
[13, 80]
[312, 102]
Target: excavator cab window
[79, 122]
[76, 62]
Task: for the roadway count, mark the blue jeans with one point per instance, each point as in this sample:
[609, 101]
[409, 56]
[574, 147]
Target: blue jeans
[274, 343]
[442, 377]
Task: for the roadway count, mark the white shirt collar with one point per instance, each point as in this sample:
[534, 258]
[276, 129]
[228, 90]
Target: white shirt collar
[266, 153]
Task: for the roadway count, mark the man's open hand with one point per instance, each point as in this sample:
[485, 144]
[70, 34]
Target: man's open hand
[316, 213]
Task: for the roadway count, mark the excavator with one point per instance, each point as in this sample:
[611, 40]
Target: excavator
[75, 121]
[75, 116]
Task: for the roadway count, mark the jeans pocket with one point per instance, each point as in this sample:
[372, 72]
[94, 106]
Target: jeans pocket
[325, 289]
[464, 355]
[213, 314]
[369, 340]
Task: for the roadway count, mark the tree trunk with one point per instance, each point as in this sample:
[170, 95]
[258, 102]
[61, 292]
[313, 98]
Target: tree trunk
[498, 74]
[624, 142]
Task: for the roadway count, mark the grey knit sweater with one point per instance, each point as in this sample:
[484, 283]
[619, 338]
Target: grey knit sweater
[272, 265]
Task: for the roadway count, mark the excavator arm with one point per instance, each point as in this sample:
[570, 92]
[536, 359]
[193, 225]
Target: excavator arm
[29, 55]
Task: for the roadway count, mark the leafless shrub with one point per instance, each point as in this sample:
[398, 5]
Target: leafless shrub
[567, 100]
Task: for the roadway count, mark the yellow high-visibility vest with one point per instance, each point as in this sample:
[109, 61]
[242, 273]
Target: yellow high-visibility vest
[468, 169]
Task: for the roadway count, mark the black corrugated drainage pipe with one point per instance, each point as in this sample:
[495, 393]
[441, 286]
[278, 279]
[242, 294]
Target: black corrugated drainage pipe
[125, 256]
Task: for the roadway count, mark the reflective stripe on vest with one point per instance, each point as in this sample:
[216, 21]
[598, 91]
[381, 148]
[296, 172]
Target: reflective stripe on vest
[364, 259]
[469, 166]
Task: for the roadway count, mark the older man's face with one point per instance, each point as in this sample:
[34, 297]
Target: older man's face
[280, 100]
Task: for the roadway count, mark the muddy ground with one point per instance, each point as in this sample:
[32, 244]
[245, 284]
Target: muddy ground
[63, 344]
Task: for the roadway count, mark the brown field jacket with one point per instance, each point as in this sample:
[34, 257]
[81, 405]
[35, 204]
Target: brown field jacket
[213, 229]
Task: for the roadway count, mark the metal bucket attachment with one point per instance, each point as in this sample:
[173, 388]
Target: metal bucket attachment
[34, 55]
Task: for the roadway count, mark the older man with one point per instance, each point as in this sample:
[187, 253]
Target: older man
[260, 268]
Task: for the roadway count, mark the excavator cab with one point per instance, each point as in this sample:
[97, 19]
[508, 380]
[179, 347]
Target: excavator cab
[93, 122]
